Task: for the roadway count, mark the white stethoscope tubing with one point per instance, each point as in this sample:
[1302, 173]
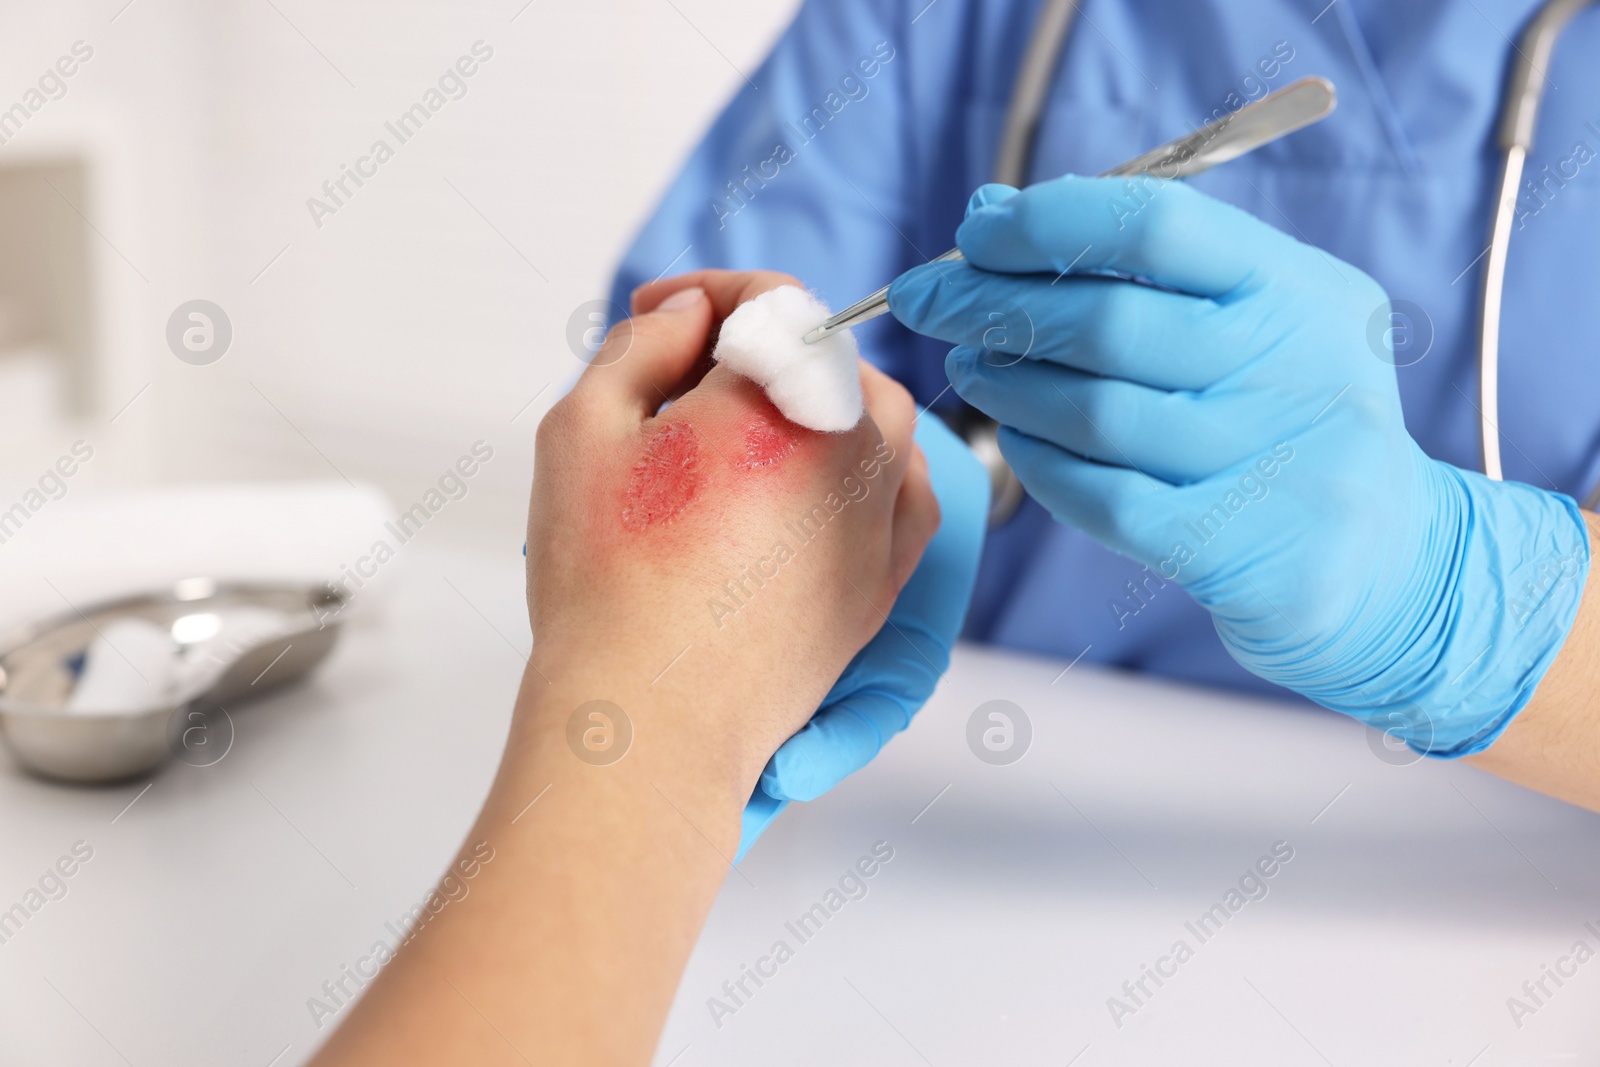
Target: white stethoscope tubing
[1519, 121]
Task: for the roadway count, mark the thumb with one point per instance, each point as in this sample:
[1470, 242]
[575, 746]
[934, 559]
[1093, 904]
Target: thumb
[992, 193]
[645, 358]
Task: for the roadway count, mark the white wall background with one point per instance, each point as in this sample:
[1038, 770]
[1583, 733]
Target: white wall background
[383, 344]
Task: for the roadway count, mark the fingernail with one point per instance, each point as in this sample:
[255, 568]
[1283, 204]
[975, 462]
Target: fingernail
[683, 298]
[958, 365]
[986, 195]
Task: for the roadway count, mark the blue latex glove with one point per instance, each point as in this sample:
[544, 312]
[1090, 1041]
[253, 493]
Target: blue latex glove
[892, 677]
[1235, 426]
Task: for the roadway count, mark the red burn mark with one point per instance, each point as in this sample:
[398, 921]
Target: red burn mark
[768, 441]
[665, 479]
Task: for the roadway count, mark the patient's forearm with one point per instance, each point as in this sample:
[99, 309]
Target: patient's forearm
[569, 947]
[1554, 745]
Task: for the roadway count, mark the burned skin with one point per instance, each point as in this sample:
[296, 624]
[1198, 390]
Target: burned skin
[676, 466]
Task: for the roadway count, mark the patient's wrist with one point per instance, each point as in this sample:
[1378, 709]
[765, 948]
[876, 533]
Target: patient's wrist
[586, 726]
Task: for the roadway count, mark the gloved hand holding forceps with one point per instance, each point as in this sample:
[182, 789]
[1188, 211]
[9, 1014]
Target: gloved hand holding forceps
[1200, 392]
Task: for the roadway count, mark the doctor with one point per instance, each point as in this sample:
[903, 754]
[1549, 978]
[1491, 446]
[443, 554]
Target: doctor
[1259, 390]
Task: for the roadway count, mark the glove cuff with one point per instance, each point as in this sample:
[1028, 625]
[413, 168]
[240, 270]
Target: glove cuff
[1504, 566]
[1528, 562]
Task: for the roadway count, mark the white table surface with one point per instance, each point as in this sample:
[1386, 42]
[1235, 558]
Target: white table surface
[1419, 898]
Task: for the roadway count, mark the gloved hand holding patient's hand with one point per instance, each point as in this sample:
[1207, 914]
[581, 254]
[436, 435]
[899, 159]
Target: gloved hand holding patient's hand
[889, 680]
[1235, 425]
[713, 557]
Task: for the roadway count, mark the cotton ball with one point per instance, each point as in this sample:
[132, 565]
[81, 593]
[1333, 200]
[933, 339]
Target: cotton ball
[816, 385]
[130, 666]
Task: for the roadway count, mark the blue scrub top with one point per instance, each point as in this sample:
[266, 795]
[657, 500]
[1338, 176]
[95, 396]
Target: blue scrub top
[851, 154]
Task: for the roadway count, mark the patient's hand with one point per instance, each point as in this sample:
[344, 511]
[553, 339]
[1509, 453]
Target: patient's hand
[711, 568]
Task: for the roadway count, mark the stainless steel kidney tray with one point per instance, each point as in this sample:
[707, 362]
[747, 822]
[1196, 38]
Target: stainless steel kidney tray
[40, 665]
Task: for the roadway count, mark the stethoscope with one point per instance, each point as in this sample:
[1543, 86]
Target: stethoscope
[1518, 122]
